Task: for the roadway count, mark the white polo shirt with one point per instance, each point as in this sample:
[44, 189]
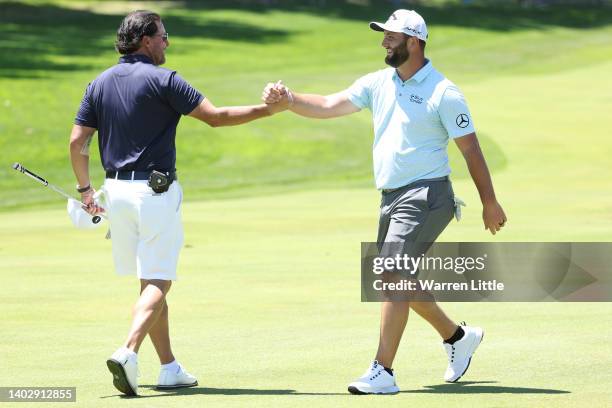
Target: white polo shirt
[413, 122]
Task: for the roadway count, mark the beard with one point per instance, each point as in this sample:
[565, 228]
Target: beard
[398, 55]
[159, 60]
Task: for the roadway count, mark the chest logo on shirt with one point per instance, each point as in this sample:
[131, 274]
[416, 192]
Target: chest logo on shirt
[416, 99]
[462, 120]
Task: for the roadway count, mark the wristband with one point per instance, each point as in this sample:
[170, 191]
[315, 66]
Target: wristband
[83, 189]
[290, 97]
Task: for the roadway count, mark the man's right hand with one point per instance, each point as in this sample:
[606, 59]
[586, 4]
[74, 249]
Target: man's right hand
[89, 204]
[275, 95]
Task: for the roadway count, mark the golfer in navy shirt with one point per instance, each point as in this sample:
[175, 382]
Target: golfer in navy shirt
[135, 107]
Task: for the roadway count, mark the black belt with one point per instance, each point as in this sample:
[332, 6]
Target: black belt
[391, 190]
[136, 175]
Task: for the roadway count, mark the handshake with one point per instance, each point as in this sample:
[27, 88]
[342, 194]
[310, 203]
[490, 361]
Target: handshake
[277, 97]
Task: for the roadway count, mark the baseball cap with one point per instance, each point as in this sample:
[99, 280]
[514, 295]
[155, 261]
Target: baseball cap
[80, 218]
[408, 22]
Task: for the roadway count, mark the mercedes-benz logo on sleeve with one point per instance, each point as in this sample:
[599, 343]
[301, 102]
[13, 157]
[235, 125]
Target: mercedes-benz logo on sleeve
[462, 120]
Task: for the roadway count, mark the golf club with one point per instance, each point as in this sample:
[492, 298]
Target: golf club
[96, 219]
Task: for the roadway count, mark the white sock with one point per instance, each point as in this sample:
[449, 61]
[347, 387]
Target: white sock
[172, 367]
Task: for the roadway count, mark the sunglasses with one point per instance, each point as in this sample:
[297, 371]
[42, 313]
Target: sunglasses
[164, 36]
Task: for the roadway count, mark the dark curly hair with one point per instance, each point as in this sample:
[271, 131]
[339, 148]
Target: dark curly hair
[133, 27]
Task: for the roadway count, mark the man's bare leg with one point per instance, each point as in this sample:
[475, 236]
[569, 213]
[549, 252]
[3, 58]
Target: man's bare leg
[151, 317]
[147, 310]
[431, 312]
[393, 318]
[160, 333]
[160, 336]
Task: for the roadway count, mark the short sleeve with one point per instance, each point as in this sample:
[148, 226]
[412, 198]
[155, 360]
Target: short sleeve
[182, 96]
[360, 93]
[86, 116]
[454, 113]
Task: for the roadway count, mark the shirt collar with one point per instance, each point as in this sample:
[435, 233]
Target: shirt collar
[420, 75]
[132, 58]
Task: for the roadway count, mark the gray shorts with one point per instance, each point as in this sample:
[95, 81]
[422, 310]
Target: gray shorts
[414, 215]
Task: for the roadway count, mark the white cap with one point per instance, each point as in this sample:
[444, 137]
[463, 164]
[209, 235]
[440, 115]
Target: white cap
[408, 22]
[80, 218]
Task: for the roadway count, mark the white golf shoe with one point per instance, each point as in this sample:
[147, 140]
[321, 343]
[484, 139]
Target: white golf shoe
[374, 381]
[460, 353]
[178, 378]
[124, 368]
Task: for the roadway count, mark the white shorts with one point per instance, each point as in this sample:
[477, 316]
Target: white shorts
[146, 229]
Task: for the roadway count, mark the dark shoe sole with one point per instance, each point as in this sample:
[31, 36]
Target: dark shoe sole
[469, 361]
[120, 380]
[172, 387]
[356, 391]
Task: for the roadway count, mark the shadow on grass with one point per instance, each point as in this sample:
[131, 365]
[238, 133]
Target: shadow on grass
[478, 387]
[467, 387]
[33, 36]
[219, 391]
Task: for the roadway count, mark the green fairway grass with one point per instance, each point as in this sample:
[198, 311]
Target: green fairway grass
[266, 312]
[267, 308]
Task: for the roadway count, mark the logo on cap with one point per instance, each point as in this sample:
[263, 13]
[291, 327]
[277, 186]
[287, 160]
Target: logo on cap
[413, 30]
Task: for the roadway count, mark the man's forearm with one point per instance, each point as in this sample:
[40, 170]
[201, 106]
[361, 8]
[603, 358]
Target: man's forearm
[480, 174]
[237, 115]
[80, 165]
[310, 106]
[80, 137]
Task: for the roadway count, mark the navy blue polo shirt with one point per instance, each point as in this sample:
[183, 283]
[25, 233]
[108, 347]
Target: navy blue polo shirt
[136, 106]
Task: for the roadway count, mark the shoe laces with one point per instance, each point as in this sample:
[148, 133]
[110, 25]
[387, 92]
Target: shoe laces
[452, 355]
[376, 366]
[378, 373]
